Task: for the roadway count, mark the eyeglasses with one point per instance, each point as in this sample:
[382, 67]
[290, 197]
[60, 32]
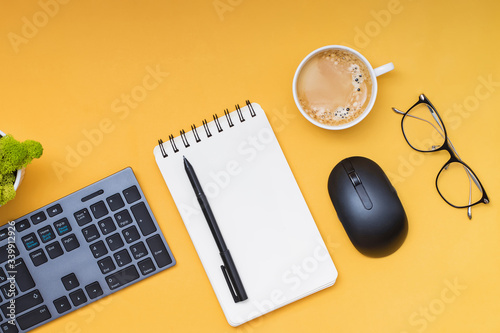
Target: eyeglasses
[424, 131]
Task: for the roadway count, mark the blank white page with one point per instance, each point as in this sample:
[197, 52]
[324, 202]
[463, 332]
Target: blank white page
[263, 217]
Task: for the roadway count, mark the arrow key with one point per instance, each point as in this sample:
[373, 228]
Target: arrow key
[78, 297]
[94, 290]
[62, 304]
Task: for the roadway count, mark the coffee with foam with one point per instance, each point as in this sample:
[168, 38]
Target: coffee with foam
[334, 87]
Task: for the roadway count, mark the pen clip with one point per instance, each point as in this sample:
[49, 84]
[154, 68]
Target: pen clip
[236, 298]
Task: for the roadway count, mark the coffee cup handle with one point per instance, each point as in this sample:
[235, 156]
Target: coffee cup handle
[383, 69]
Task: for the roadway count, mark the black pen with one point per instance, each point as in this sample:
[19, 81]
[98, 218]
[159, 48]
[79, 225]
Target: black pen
[228, 269]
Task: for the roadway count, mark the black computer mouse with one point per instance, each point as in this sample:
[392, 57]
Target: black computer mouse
[368, 206]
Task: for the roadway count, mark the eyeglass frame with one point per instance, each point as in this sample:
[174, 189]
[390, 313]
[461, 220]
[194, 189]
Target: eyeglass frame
[448, 146]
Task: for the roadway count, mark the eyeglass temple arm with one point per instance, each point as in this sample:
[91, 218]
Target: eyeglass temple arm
[471, 179]
[428, 122]
[436, 118]
[469, 209]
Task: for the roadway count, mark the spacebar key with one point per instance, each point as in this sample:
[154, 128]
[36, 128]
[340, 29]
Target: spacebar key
[33, 317]
[121, 278]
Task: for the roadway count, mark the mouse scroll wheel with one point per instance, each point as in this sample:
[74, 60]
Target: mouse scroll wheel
[353, 176]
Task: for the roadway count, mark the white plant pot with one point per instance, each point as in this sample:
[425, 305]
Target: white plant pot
[19, 177]
[19, 173]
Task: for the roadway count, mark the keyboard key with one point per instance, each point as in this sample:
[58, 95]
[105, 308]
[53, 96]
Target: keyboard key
[146, 266]
[122, 258]
[34, 317]
[3, 277]
[54, 210]
[62, 226]
[23, 276]
[9, 328]
[143, 218]
[90, 233]
[78, 297]
[114, 242]
[62, 304]
[115, 202]
[70, 242]
[70, 281]
[46, 234]
[82, 217]
[138, 250]
[131, 234]
[98, 249]
[123, 218]
[22, 225]
[38, 217]
[106, 265]
[99, 209]
[54, 250]
[30, 241]
[159, 251]
[94, 290]
[131, 194]
[8, 251]
[23, 303]
[4, 233]
[107, 226]
[9, 290]
[38, 257]
[121, 278]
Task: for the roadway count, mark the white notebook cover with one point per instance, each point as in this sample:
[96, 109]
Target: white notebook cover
[263, 217]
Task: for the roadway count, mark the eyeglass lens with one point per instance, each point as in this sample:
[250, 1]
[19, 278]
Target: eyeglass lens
[422, 130]
[455, 182]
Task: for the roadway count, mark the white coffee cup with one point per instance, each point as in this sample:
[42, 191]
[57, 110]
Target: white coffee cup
[374, 72]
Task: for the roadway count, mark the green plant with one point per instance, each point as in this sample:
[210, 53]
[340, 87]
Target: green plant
[14, 155]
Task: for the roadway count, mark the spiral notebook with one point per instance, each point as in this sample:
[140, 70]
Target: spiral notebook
[262, 215]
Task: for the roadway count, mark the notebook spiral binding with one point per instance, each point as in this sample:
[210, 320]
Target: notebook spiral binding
[204, 122]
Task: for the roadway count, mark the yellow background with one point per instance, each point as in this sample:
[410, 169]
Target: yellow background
[66, 76]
